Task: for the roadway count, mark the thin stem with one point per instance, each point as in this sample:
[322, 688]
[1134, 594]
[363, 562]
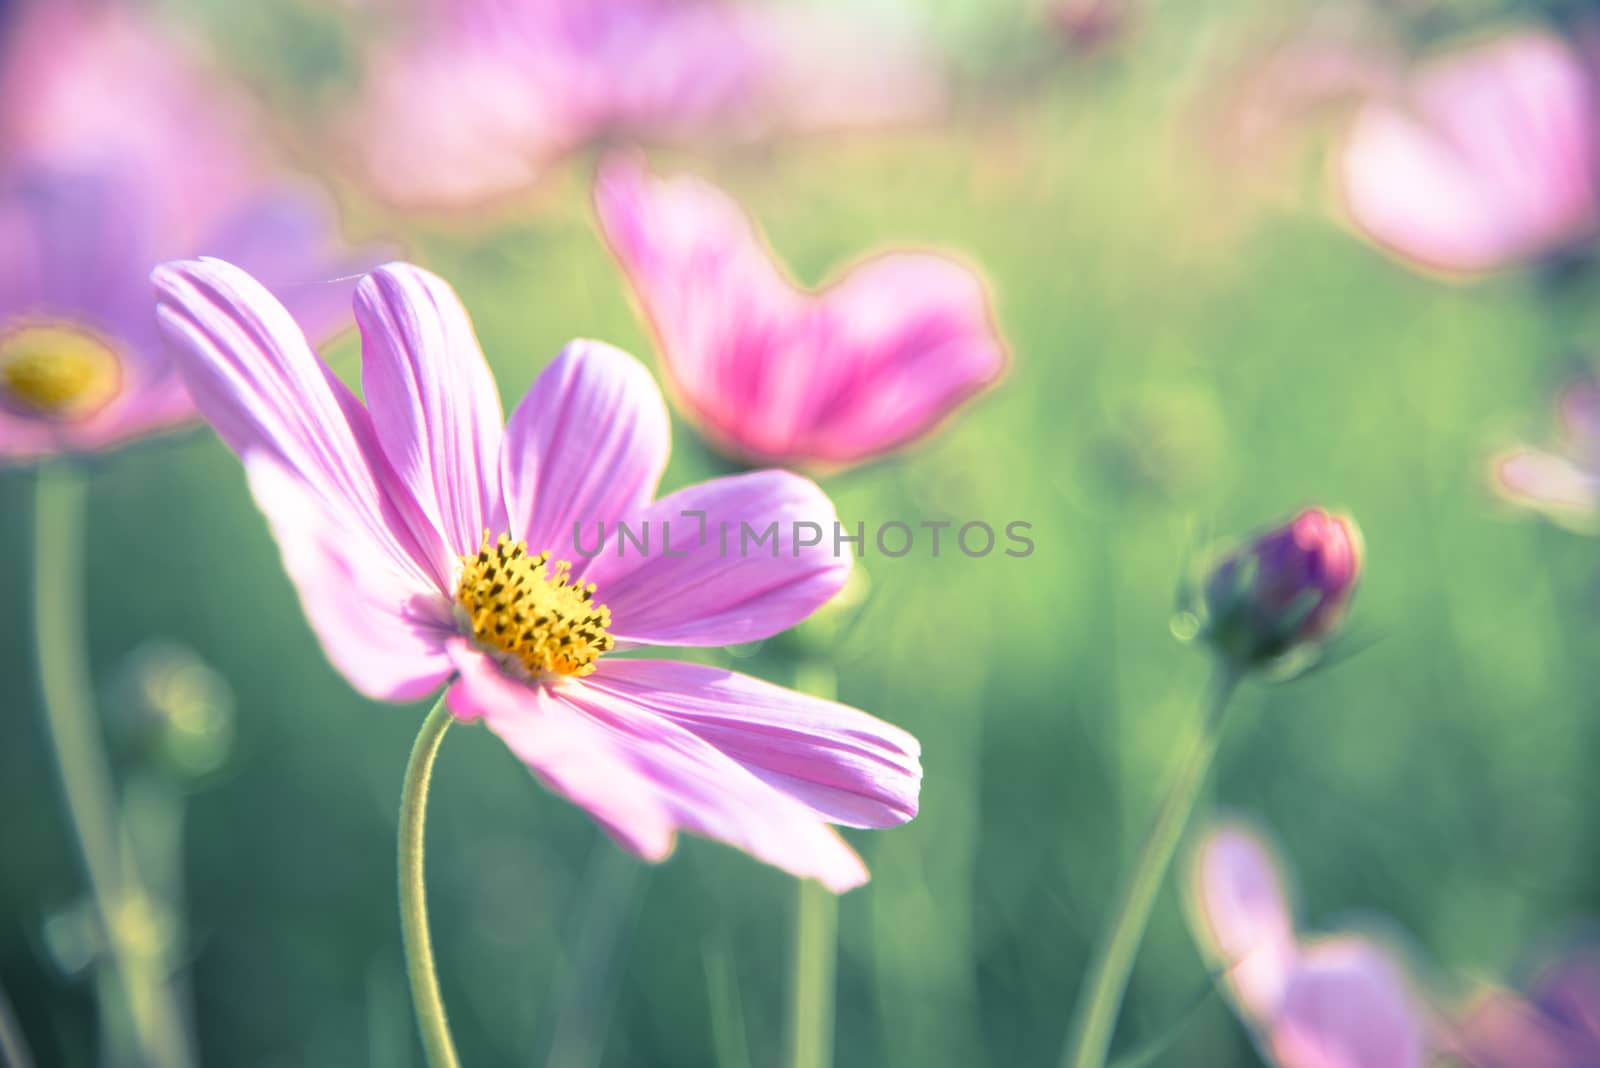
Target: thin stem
[811, 988]
[132, 925]
[1101, 1000]
[816, 924]
[13, 1045]
[431, 1022]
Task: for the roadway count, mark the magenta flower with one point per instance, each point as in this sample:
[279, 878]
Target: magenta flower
[1564, 484]
[1339, 1002]
[1288, 588]
[1485, 159]
[1556, 1026]
[431, 544]
[90, 201]
[773, 373]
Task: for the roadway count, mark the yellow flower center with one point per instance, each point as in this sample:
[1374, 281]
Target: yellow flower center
[530, 612]
[57, 371]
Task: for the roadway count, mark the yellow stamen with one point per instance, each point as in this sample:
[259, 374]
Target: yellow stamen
[519, 606]
[57, 371]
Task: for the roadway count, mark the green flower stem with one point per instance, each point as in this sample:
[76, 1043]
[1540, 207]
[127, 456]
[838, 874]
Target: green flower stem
[1096, 1016]
[811, 988]
[133, 926]
[431, 1022]
[816, 923]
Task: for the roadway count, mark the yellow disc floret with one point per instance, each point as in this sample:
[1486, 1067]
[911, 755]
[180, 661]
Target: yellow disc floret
[531, 611]
[56, 371]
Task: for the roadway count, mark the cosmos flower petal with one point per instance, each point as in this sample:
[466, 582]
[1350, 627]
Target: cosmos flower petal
[587, 444]
[1548, 483]
[1347, 1005]
[722, 313]
[1487, 159]
[448, 124]
[846, 766]
[1242, 917]
[286, 238]
[771, 372]
[383, 635]
[736, 559]
[75, 250]
[573, 755]
[708, 792]
[434, 403]
[256, 380]
[912, 337]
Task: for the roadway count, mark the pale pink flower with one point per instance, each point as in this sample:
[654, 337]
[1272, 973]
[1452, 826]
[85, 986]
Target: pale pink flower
[1337, 1002]
[414, 527]
[1485, 158]
[90, 86]
[120, 152]
[772, 372]
[1563, 484]
[480, 97]
[1242, 917]
[477, 99]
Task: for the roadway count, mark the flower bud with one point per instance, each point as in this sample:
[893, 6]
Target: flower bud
[1287, 589]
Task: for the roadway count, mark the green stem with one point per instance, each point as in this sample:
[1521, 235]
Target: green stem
[811, 988]
[431, 1022]
[816, 924]
[132, 925]
[13, 1046]
[1107, 981]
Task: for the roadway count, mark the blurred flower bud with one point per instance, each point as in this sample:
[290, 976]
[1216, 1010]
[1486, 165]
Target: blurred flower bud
[177, 710]
[1289, 588]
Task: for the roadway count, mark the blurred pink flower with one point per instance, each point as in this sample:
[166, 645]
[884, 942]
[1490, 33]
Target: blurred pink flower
[1242, 917]
[118, 153]
[387, 515]
[480, 97]
[1275, 100]
[1085, 27]
[483, 95]
[1556, 1026]
[772, 372]
[1339, 1002]
[1485, 158]
[1564, 485]
[89, 86]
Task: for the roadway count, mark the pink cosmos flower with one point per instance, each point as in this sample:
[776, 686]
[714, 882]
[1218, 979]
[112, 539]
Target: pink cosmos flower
[772, 372]
[90, 201]
[1564, 484]
[433, 544]
[1484, 159]
[1556, 1026]
[479, 98]
[82, 366]
[1339, 1002]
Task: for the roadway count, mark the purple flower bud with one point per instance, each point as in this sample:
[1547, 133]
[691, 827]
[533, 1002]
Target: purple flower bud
[1288, 588]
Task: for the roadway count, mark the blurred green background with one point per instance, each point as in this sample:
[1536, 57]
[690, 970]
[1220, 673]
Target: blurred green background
[1189, 361]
